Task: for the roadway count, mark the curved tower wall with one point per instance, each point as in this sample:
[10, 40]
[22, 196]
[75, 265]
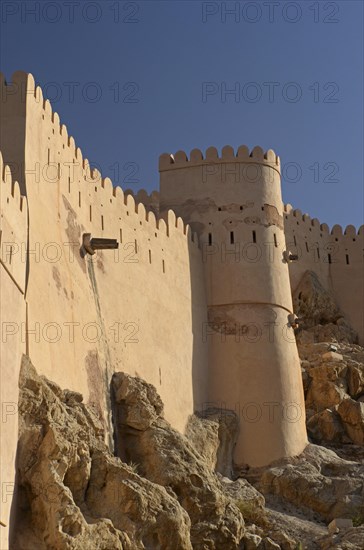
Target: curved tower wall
[234, 203]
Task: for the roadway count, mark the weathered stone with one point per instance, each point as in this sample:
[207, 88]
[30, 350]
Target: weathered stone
[204, 437]
[324, 394]
[72, 494]
[332, 356]
[355, 378]
[325, 425]
[352, 416]
[318, 480]
[242, 491]
[166, 457]
[339, 524]
[251, 541]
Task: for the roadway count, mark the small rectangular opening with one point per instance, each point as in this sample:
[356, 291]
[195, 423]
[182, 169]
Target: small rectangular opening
[163, 266]
[210, 239]
[318, 253]
[306, 246]
[102, 222]
[347, 259]
[294, 240]
[150, 256]
[10, 255]
[79, 199]
[49, 156]
[69, 184]
[231, 237]
[136, 246]
[329, 258]
[254, 237]
[121, 235]
[90, 213]
[275, 240]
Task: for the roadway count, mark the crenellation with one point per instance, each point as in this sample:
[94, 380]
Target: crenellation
[180, 159]
[189, 254]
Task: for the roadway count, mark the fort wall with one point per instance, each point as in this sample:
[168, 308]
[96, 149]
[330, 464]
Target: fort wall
[234, 203]
[336, 256]
[139, 309]
[13, 235]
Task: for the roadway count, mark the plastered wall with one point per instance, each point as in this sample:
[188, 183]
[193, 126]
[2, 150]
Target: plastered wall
[336, 256]
[13, 233]
[139, 309]
[233, 201]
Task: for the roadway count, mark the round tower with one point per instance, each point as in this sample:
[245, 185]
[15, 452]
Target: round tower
[234, 203]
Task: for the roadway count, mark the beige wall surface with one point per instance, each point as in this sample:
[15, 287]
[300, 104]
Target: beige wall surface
[234, 203]
[336, 257]
[135, 310]
[13, 231]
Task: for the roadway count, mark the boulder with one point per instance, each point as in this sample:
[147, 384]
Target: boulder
[352, 415]
[167, 458]
[72, 493]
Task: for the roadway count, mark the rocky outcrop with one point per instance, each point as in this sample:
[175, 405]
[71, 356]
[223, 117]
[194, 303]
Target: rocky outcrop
[164, 490]
[72, 493]
[318, 481]
[320, 317]
[167, 458]
[334, 390]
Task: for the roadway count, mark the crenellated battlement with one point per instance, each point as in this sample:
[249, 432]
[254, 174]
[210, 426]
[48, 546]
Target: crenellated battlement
[257, 155]
[337, 230]
[86, 185]
[13, 227]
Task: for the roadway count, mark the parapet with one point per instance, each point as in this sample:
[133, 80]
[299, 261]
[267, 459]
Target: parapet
[14, 224]
[22, 89]
[180, 159]
[305, 221]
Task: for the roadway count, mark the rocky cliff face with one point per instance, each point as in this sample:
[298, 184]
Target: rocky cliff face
[166, 491]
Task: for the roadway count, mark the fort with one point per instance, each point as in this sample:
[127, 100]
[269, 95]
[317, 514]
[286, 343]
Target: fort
[196, 300]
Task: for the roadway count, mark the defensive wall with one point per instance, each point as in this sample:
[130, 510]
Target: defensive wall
[178, 305]
[234, 203]
[139, 309]
[336, 256]
[13, 232]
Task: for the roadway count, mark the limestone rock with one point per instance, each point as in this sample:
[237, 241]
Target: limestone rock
[166, 457]
[326, 425]
[251, 541]
[241, 490]
[324, 394]
[320, 317]
[318, 480]
[339, 524]
[332, 356]
[351, 539]
[204, 437]
[228, 429]
[352, 416]
[355, 378]
[72, 494]
[312, 303]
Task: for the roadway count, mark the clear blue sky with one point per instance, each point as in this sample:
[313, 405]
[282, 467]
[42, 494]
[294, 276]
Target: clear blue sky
[149, 62]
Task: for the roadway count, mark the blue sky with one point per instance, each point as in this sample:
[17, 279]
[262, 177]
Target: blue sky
[132, 80]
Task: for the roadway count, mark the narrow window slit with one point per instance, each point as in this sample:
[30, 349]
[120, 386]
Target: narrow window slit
[275, 240]
[231, 237]
[210, 239]
[254, 237]
[347, 259]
